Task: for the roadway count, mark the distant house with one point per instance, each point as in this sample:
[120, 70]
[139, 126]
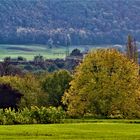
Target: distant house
[9, 97]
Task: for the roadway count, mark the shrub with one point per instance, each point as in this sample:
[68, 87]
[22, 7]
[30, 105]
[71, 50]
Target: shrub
[8, 116]
[34, 115]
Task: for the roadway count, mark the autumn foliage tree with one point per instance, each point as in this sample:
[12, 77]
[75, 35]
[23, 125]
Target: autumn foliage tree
[105, 84]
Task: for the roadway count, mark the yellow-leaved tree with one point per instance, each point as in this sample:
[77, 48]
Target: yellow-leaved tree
[105, 84]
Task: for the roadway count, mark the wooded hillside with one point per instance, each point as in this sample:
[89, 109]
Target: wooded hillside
[86, 21]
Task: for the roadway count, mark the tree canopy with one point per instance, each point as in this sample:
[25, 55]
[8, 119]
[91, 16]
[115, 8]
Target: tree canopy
[27, 85]
[106, 84]
[55, 85]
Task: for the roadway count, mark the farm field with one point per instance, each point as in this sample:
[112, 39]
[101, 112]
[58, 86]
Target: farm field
[102, 130]
[29, 51]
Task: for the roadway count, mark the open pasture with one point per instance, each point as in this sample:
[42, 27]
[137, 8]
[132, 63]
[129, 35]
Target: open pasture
[29, 51]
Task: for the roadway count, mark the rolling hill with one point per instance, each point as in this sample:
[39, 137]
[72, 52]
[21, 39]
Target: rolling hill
[77, 22]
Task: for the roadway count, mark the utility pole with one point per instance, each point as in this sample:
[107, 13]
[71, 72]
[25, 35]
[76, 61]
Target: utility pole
[68, 43]
[50, 40]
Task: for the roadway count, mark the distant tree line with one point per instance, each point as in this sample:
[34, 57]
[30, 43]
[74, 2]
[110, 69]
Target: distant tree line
[20, 66]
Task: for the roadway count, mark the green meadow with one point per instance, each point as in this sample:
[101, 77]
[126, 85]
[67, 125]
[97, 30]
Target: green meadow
[29, 51]
[96, 130]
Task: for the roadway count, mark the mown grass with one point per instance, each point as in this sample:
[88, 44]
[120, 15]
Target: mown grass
[91, 120]
[99, 130]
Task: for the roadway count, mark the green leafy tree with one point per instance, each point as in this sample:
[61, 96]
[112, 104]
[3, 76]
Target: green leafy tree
[55, 85]
[105, 84]
[28, 86]
[76, 52]
[38, 59]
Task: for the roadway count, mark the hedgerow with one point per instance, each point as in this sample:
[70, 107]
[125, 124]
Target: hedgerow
[34, 115]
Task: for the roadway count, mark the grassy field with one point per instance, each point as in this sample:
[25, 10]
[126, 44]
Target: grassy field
[102, 130]
[29, 51]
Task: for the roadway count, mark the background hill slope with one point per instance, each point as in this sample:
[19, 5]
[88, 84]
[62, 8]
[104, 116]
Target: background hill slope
[86, 21]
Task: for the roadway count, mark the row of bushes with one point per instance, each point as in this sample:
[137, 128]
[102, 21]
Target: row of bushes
[34, 115]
